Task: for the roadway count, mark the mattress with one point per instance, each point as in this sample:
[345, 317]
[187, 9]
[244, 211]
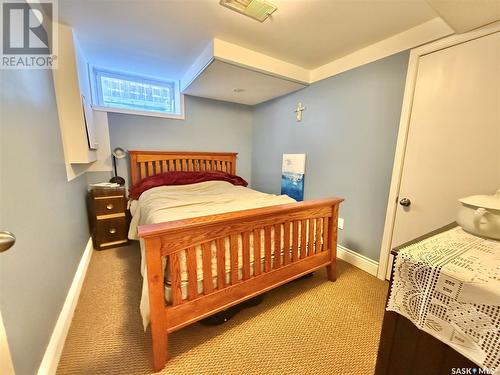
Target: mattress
[169, 203]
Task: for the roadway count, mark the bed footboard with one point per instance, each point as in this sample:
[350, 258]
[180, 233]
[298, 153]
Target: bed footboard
[242, 254]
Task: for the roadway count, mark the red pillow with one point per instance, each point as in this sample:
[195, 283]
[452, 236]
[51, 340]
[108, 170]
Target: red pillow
[182, 178]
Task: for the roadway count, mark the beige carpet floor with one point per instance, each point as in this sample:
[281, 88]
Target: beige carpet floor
[310, 326]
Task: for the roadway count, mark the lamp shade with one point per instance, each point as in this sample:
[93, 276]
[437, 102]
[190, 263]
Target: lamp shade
[119, 153]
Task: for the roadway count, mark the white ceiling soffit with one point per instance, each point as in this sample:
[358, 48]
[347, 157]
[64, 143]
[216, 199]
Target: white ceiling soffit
[224, 67]
[466, 15]
[232, 83]
[245, 58]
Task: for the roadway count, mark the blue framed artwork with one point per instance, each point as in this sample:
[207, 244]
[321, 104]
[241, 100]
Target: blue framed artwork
[292, 175]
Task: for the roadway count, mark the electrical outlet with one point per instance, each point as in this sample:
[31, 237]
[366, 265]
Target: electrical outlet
[341, 223]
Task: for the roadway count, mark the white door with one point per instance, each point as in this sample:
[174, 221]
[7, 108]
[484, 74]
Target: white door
[453, 146]
[7, 240]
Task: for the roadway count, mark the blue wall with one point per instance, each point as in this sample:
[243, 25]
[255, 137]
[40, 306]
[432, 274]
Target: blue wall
[45, 211]
[349, 134]
[210, 125]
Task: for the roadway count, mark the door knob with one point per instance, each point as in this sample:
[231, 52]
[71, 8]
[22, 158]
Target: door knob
[405, 202]
[7, 240]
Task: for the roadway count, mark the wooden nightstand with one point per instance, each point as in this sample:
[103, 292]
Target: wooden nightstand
[108, 217]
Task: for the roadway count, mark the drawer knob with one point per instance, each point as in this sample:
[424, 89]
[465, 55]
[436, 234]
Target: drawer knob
[110, 206]
[112, 230]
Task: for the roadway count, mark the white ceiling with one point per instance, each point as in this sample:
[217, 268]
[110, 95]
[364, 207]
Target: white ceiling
[163, 37]
[466, 15]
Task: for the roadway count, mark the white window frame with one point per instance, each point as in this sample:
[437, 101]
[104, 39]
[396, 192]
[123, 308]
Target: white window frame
[96, 94]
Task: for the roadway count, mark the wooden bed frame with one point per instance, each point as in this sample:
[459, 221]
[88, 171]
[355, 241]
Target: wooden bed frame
[169, 239]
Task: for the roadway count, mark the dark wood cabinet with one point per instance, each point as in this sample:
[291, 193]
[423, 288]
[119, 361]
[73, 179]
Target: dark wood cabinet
[406, 350]
[108, 217]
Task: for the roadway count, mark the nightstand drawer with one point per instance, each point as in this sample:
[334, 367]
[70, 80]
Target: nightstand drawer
[108, 217]
[111, 231]
[108, 206]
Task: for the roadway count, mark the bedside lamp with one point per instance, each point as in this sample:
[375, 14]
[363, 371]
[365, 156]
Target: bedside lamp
[118, 153]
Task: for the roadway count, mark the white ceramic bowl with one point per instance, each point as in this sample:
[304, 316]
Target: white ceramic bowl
[480, 215]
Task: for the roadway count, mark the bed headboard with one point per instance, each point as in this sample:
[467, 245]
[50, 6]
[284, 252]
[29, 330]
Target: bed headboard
[148, 163]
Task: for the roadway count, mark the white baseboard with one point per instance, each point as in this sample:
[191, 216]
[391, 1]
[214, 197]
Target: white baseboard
[54, 349]
[357, 260]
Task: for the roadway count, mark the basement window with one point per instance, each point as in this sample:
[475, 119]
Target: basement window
[133, 94]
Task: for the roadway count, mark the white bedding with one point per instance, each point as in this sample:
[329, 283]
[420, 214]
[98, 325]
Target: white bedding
[168, 203]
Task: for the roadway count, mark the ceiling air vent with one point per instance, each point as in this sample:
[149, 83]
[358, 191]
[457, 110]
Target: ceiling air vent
[259, 10]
